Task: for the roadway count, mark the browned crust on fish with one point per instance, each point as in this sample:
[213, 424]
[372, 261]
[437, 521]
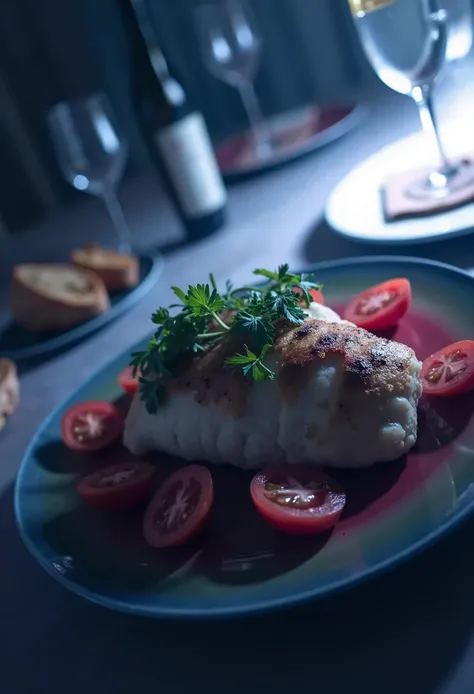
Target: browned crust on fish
[210, 381]
[371, 364]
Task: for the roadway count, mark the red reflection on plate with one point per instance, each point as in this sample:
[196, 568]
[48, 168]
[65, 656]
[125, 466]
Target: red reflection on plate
[442, 424]
[293, 134]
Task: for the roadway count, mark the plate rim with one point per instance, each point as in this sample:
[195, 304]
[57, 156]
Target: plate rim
[84, 330]
[411, 240]
[338, 130]
[262, 607]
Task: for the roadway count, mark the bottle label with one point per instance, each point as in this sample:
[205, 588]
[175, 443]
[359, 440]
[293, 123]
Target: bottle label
[189, 158]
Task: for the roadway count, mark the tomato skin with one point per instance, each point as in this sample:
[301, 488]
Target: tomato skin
[107, 413]
[299, 521]
[398, 297]
[123, 495]
[316, 296]
[450, 371]
[128, 382]
[197, 517]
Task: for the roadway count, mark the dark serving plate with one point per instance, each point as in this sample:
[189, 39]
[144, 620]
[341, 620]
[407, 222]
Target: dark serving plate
[20, 344]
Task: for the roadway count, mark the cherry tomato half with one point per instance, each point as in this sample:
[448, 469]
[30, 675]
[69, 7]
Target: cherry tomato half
[91, 426]
[127, 381]
[380, 307]
[180, 508]
[449, 371]
[316, 296]
[298, 499]
[119, 486]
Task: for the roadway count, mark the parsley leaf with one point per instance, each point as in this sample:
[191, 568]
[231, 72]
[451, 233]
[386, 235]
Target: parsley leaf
[306, 284]
[180, 294]
[252, 365]
[202, 301]
[266, 273]
[260, 327]
[285, 305]
[160, 316]
[152, 392]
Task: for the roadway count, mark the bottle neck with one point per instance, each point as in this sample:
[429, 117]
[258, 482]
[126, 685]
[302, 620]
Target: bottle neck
[170, 86]
[144, 23]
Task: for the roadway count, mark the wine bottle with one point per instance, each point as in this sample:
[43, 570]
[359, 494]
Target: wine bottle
[175, 132]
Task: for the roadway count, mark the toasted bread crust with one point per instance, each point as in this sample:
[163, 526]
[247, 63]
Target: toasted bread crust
[9, 390]
[117, 271]
[40, 310]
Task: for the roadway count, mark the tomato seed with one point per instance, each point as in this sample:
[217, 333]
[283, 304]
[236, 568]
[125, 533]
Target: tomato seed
[295, 495]
[178, 504]
[88, 426]
[456, 356]
[374, 303]
[115, 478]
[452, 373]
[435, 372]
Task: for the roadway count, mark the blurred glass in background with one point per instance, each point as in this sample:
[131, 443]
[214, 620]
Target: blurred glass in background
[245, 63]
[91, 153]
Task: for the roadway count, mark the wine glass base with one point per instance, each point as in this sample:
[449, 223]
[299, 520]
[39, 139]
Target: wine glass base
[443, 183]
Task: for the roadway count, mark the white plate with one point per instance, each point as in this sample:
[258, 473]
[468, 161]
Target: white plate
[354, 208]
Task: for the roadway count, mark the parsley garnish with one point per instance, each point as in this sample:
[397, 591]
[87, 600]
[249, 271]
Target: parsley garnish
[250, 312]
[252, 365]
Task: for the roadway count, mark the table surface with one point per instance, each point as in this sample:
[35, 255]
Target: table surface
[419, 620]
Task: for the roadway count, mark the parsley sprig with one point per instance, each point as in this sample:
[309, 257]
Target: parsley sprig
[206, 318]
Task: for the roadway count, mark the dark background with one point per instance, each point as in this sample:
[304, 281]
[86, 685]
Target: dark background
[52, 50]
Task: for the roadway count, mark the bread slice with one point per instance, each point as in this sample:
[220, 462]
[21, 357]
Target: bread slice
[54, 296]
[9, 390]
[117, 270]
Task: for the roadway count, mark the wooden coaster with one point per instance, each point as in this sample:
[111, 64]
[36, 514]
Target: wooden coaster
[397, 205]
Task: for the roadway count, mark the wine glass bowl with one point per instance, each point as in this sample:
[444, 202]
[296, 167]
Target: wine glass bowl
[416, 60]
[91, 153]
[230, 45]
[230, 42]
[408, 43]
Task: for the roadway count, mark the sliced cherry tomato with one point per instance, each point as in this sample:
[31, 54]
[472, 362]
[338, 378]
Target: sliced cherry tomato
[380, 307]
[449, 371]
[91, 426]
[180, 508]
[127, 381]
[298, 499]
[119, 486]
[316, 296]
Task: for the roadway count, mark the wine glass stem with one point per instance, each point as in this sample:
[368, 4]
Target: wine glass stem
[424, 101]
[260, 131]
[118, 219]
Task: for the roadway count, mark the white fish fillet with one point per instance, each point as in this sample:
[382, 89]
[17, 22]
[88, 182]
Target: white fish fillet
[346, 399]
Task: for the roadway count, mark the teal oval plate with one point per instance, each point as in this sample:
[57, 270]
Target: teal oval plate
[240, 565]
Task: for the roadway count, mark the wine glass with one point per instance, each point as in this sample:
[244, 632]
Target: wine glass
[91, 153]
[408, 42]
[231, 45]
